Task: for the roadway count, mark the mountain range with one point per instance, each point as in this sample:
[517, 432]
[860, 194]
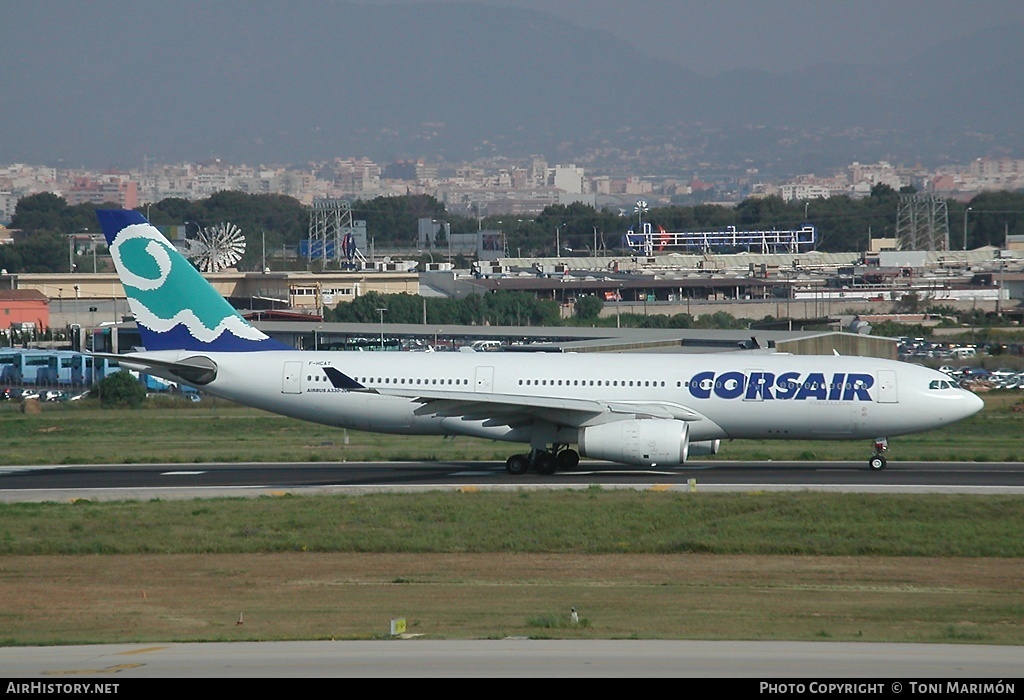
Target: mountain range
[289, 83]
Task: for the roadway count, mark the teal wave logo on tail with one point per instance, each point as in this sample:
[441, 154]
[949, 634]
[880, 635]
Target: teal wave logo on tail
[174, 307]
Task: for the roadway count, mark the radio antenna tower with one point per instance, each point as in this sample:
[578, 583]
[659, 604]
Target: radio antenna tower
[922, 223]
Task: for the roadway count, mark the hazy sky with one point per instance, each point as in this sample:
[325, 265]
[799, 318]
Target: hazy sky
[710, 36]
[113, 81]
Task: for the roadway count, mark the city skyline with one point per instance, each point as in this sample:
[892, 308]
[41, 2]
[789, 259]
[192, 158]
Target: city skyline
[484, 190]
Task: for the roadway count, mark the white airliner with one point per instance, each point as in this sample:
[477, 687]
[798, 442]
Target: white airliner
[640, 409]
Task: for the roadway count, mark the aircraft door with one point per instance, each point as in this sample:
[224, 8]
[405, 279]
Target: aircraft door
[290, 380]
[887, 392]
[484, 380]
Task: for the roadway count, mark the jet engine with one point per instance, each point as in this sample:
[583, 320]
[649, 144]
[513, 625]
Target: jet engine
[646, 443]
[705, 448]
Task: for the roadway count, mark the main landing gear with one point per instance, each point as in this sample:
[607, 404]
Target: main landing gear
[877, 461]
[543, 461]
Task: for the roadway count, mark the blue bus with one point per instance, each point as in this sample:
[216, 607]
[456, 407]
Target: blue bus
[10, 367]
[53, 367]
[39, 367]
[69, 368]
[98, 368]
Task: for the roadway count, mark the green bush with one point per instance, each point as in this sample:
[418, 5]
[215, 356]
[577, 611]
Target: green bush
[120, 390]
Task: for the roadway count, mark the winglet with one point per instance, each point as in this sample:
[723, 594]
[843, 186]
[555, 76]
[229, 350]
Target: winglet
[174, 307]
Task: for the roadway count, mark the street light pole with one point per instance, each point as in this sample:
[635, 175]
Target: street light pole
[965, 226]
[640, 208]
[381, 312]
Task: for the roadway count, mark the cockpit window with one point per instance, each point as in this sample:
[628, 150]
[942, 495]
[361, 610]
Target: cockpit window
[941, 384]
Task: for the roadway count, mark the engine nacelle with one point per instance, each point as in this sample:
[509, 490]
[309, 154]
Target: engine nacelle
[646, 443]
[705, 448]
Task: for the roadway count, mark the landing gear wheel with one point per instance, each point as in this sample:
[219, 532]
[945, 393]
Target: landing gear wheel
[568, 459]
[877, 461]
[517, 465]
[545, 463]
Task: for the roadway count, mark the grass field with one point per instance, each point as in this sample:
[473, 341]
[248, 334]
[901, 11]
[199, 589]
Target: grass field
[216, 431]
[491, 564]
[483, 564]
[194, 597]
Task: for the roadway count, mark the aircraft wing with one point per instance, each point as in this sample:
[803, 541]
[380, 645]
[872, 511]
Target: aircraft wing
[516, 409]
[512, 409]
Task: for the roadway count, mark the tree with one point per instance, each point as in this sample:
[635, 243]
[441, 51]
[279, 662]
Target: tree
[393, 220]
[768, 211]
[39, 212]
[42, 252]
[880, 190]
[993, 216]
[46, 212]
[588, 307]
[120, 390]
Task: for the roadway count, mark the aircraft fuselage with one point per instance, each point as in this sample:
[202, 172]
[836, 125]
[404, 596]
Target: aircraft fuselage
[736, 395]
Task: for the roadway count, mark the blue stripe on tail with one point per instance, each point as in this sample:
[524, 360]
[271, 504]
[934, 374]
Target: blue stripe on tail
[174, 307]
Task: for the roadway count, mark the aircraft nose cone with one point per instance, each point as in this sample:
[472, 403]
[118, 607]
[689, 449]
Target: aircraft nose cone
[973, 405]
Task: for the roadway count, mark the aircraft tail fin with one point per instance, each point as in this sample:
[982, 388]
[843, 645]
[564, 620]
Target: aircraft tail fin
[174, 306]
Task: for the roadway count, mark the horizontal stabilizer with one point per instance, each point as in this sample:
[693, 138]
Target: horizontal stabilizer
[196, 370]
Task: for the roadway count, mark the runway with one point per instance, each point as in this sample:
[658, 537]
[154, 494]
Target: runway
[119, 482]
[809, 662]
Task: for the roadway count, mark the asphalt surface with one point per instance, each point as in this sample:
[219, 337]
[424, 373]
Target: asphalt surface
[108, 482]
[803, 662]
